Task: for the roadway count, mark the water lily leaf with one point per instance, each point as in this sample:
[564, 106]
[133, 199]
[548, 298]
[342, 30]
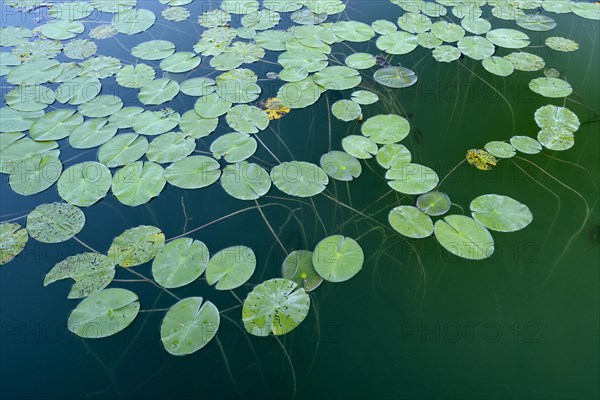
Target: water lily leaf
[340, 165]
[14, 35]
[383, 26]
[360, 61]
[158, 91]
[135, 76]
[62, 29]
[230, 268]
[307, 17]
[234, 147]
[247, 119]
[498, 66]
[395, 77]
[214, 18]
[556, 138]
[183, 61]
[13, 239]
[414, 22]
[397, 43]
[111, 7]
[71, 10]
[153, 50]
[55, 125]
[364, 97]
[245, 181]
[100, 67]
[434, 203]
[138, 182]
[476, 26]
[91, 272]
[392, 155]
[122, 149]
[239, 6]
[84, 184]
[78, 90]
[337, 78]
[551, 87]
[180, 263]
[136, 246]
[298, 268]
[338, 258]
[500, 149]
[133, 21]
[104, 313]
[523, 61]
[536, 22]
[35, 174]
[92, 133]
[211, 106]
[300, 94]
[154, 123]
[103, 32]
[561, 44]
[359, 146]
[193, 172]
[188, 326]
[346, 110]
[557, 6]
[275, 307]
[500, 213]
[236, 92]
[447, 31]
[550, 116]
[12, 156]
[446, 53]
[386, 128]
[55, 222]
[427, 40]
[170, 147]
[272, 39]
[17, 121]
[508, 38]
[34, 72]
[197, 127]
[30, 98]
[198, 86]
[261, 20]
[412, 179]
[101, 106]
[125, 117]
[464, 237]
[299, 178]
[176, 14]
[476, 47]
[411, 222]
[586, 10]
[351, 31]
[525, 144]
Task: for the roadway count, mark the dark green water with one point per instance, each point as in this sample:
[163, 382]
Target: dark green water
[522, 324]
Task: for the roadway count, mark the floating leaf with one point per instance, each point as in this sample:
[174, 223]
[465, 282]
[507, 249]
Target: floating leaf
[299, 178]
[434, 203]
[561, 44]
[103, 32]
[104, 313]
[508, 38]
[92, 133]
[84, 184]
[447, 31]
[498, 66]
[413, 22]
[481, 159]
[393, 155]
[230, 268]
[245, 181]
[346, 110]
[193, 172]
[91, 272]
[180, 263]
[298, 268]
[197, 127]
[536, 22]
[17, 121]
[446, 53]
[386, 128]
[359, 146]
[211, 106]
[412, 179]
[476, 26]
[360, 61]
[364, 97]
[55, 125]
[337, 78]
[476, 47]
[153, 123]
[500, 213]
[30, 98]
[338, 258]
[12, 241]
[556, 138]
[188, 327]
[525, 144]
[247, 119]
[180, 62]
[78, 90]
[275, 307]
[153, 50]
[273, 108]
[464, 237]
[170, 147]
[586, 10]
[135, 76]
[301, 94]
[122, 149]
[138, 182]
[198, 86]
[523, 61]
[397, 43]
[550, 116]
[125, 117]
[101, 106]
[550, 87]
[158, 91]
[136, 246]
[176, 14]
[35, 174]
[395, 77]
[500, 149]
[340, 165]
[411, 222]
[62, 29]
[55, 222]
[133, 21]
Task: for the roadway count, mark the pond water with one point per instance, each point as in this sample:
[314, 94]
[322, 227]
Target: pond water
[416, 321]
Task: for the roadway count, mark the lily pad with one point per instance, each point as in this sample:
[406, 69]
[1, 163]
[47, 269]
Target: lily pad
[395, 77]
[13, 239]
[152, 123]
[153, 50]
[500, 149]
[245, 181]
[234, 147]
[446, 53]
[136, 246]
[55, 125]
[536, 22]
[179, 62]
[338, 258]
[158, 91]
[364, 97]
[298, 268]
[340, 165]
[170, 147]
[104, 313]
[197, 127]
[411, 222]
[133, 21]
[30, 98]
[55, 222]
[523, 61]
[230, 268]
[360, 61]
[434, 203]
[180, 263]
[92, 133]
[386, 128]
[508, 38]
[551, 87]
[498, 66]
[393, 155]
[556, 138]
[359, 146]
[122, 149]
[91, 272]
[500, 213]
[247, 119]
[84, 184]
[551, 116]
[476, 47]
[135, 76]
[139, 182]
[397, 43]
[35, 174]
[337, 78]
[211, 106]
[412, 179]
[193, 172]
[101, 106]
[299, 178]
[346, 110]
[464, 237]
[561, 44]
[526, 144]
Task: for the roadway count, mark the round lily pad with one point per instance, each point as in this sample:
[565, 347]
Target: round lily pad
[35, 174]
[91, 272]
[138, 182]
[476, 47]
[434, 203]
[412, 179]
[298, 268]
[247, 119]
[170, 147]
[551, 116]
[340, 165]
[13, 239]
[364, 97]
[230, 268]
[136, 246]
[245, 181]
[508, 38]
[180, 263]
[500, 149]
[359, 146]
[526, 144]
[299, 178]
[84, 184]
[104, 313]
[338, 258]
[158, 91]
[393, 155]
[122, 149]
[234, 147]
[464, 237]
[55, 222]
[411, 222]
[395, 77]
[386, 128]
[550, 87]
[446, 53]
[561, 44]
[500, 213]
[397, 43]
[193, 172]
[498, 66]
[346, 110]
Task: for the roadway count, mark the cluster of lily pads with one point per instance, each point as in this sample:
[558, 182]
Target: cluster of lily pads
[142, 148]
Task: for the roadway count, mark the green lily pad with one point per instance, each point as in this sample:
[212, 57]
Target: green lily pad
[476, 47]
[18, 121]
[180, 263]
[550, 116]
[300, 94]
[476, 26]
[100, 106]
[55, 125]
[525, 144]
[104, 313]
[84, 184]
[55, 222]
[211, 106]
[523, 61]
[80, 49]
[360, 61]
[234, 147]
[245, 181]
[500, 213]
[152, 123]
[556, 138]
[92, 133]
[176, 14]
[198, 87]
[91, 272]
[348, 31]
[393, 155]
[196, 126]
[412, 179]
[413, 22]
[434, 203]
[247, 119]
[193, 172]
[340, 165]
[446, 53]
[338, 258]
[35, 174]
[383, 26]
[78, 90]
[411, 222]
[179, 62]
[138, 182]
[136, 246]
[395, 77]
[62, 29]
[447, 31]
[586, 10]
[536, 22]
[498, 66]
[508, 38]
[230, 268]
[464, 237]
[346, 110]
[298, 268]
[551, 87]
[359, 146]
[135, 76]
[299, 178]
[170, 147]
[133, 21]
[397, 43]
[125, 117]
[275, 307]
[30, 98]
[386, 128]
[337, 78]
[153, 50]
[188, 326]
[13, 239]
[364, 97]
[500, 149]
[561, 44]
[122, 149]
[158, 91]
